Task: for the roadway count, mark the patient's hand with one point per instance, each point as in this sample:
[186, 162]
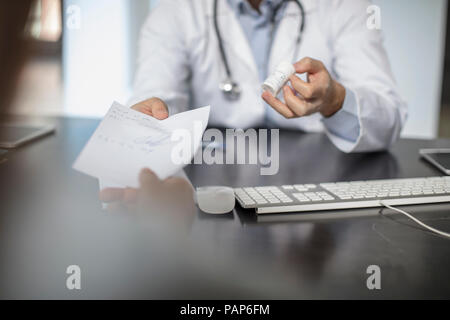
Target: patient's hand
[169, 201]
[154, 107]
[119, 199]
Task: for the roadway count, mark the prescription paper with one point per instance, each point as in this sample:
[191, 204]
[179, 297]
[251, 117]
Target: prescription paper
[126, 141]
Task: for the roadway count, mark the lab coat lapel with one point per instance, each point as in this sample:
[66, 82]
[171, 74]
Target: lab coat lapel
[234, 38]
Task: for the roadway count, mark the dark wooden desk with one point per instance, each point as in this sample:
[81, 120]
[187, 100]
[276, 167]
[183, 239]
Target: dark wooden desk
[45, 208]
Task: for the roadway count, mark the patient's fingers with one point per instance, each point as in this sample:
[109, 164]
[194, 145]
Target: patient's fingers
[148, 178]
[125, 195]
[154, 107]
[115, 207]
[111, 195]
[159, 110]
[130, 195]
[178, 183]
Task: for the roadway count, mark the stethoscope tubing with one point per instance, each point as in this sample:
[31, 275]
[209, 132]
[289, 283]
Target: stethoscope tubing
[277, 8]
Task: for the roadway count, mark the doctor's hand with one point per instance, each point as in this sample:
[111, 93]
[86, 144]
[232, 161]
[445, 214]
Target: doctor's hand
[321, 93]
[154, 107]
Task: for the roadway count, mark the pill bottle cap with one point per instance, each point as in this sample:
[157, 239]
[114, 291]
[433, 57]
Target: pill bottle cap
[286, 68]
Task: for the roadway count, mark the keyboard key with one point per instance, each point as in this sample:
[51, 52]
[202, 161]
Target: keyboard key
[247, 201]
[300, 188]
[262, 201]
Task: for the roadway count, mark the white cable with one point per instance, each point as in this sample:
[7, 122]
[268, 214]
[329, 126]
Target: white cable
[442, 233]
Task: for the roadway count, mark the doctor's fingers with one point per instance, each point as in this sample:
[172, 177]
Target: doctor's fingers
[309, 65]
[279, 106]
[307, 90]
[298, 106]
[154, 107]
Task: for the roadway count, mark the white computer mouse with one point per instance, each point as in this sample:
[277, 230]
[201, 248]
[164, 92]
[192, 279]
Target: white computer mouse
[215, 200]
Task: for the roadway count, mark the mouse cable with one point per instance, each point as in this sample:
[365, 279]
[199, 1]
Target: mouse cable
[442, 233]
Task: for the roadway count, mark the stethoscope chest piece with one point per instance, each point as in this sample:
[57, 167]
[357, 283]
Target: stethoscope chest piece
[230, 89]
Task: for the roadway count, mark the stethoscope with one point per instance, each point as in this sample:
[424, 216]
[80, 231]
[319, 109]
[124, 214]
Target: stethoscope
[229, 87]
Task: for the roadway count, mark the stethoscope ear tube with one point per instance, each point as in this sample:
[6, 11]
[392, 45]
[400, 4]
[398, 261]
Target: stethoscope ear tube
[220, 41]
[229, 87]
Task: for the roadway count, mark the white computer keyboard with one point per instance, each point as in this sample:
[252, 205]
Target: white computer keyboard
[344, 195]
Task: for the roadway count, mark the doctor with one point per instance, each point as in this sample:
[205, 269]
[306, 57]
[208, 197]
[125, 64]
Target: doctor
[218, 52]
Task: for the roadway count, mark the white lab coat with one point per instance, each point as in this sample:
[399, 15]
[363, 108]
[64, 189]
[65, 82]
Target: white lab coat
[179, 62]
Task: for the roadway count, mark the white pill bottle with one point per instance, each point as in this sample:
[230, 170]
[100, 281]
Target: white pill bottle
[278, 78]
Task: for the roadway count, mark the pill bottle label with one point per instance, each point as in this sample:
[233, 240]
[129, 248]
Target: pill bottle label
[278, 78]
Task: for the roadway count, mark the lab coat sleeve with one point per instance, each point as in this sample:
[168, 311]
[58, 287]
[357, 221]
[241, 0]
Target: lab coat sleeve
[344, 127]
[162, 67]
[373, 113]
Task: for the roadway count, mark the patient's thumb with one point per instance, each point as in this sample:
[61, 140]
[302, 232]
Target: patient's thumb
[147, 177]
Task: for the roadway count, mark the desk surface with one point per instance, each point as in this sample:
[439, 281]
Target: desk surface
[44, 205]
